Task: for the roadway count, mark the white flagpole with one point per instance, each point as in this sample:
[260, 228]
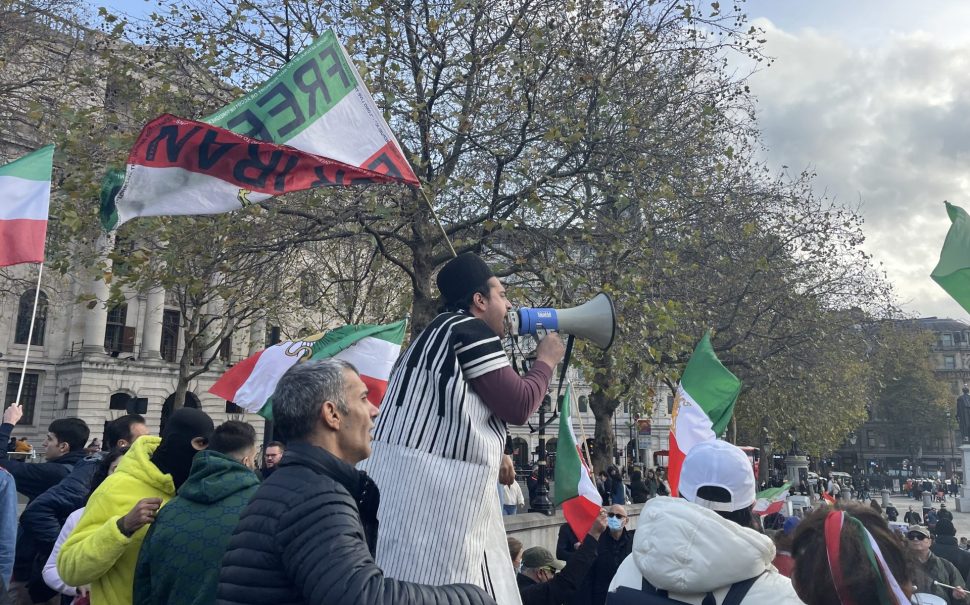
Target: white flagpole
[582, 427]
[30, 334]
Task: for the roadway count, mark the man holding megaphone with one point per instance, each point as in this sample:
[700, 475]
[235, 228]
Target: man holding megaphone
[438, 442]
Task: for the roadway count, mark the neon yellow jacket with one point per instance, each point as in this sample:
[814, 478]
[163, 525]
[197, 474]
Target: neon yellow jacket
[97, 553]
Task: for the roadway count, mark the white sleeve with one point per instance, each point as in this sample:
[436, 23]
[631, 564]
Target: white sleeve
[50, 575]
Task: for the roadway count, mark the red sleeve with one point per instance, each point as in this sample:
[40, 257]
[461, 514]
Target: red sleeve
[510, 397]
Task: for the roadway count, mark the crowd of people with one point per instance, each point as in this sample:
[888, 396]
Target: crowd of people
[360, 504]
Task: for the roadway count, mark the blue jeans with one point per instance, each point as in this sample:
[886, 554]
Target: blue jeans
[509, 509]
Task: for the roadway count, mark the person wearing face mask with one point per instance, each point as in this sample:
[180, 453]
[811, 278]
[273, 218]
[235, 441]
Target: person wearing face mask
[544, 580]
[614, 546]
[180, 559]
[103, 548]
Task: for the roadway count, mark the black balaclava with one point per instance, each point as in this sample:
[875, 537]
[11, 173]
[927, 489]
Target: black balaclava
[174, 455]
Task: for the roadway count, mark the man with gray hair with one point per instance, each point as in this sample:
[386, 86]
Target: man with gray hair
[309, 533]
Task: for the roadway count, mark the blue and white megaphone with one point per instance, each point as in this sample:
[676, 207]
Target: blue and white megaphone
[594, 321]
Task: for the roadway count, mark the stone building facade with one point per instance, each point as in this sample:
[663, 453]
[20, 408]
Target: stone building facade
[95, 363]
[873, 447]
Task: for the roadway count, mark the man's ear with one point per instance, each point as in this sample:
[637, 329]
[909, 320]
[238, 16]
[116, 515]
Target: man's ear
[329, 415]
[478, 300]
[200, 443]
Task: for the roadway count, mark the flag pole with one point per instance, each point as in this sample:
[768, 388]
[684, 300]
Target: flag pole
[434, 214]
[582, 428]
[30, 333]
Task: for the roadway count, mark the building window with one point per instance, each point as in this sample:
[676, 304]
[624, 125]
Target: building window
[28, 397]
[949, 362]
[272, 335]
[626, 408]
[24, 310]
[583, 403]
[871, 439]
[170, 334]
[232, 408]
[225, 349]
[119, 401]
[66, 401]
[946, 339]
[670, 404]
[117, 337]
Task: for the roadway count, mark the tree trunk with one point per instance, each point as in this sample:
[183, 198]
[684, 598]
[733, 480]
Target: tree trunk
[603, 442]
[424, 305]
[183, 385]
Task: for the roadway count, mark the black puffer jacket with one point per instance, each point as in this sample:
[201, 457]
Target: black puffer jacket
[308, 536]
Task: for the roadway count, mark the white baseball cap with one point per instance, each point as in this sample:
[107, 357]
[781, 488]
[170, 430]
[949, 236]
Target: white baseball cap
[717, 463]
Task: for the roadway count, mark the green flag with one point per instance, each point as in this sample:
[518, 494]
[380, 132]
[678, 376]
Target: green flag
[953, 270]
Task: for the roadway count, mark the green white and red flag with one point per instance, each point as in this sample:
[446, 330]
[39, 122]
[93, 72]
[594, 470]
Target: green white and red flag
[25, 194]
[312, 124]
[372, 349]
[952, 272]
[771, 500]
[179, 167]
[574, 490]
[703, 406]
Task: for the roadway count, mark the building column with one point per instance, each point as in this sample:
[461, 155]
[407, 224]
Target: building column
[214, 310]
[257, 336]
[151, 334]
[96, 316]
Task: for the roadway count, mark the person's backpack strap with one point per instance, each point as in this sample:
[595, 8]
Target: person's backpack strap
[650, 595]
[739, 590]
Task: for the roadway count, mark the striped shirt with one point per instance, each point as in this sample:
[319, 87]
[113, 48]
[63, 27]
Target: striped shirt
[436, 451]
[429, 405]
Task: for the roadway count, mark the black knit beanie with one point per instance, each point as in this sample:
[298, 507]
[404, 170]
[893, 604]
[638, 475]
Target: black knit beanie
[461, 276]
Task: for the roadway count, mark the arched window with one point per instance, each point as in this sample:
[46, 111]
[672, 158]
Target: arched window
[24, 310]
[119, 401]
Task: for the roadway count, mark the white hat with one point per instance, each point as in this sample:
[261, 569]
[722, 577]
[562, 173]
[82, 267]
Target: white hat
[717, 463]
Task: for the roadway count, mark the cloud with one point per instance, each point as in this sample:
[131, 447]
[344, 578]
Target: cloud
[885, 125]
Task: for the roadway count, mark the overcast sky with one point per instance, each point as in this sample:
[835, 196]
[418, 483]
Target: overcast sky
[873, 96]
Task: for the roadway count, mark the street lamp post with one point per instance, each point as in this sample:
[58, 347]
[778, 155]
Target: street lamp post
[616, 444]
[949, 432]
[542, 503]
[635, 448]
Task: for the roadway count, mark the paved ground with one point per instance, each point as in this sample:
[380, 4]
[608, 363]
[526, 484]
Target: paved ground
[960, 520]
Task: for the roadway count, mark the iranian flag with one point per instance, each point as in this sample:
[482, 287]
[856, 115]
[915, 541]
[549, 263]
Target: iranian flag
[574, 490]
[262, 145]
[771, 500]
[952, 272]
[25, 193]
[372, 349]
[703, 405]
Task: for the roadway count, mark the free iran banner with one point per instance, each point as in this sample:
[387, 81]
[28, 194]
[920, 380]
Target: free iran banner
[312, 124]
